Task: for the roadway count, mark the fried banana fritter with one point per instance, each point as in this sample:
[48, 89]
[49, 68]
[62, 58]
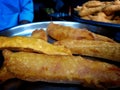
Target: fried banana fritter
[32, 45]
[60, 32]
[61, 69]
[101, 49]
[92, 9]
[5, 74]
[40, 34]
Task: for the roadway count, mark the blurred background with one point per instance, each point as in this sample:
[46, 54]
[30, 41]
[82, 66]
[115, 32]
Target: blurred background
[46, 10]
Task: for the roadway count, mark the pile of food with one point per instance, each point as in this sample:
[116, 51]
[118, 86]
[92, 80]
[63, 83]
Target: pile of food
[103, 11]
[35, 59]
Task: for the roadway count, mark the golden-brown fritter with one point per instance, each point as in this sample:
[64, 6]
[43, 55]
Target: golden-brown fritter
[40, 34]
[5, 74]
[92, 9]
[61, 69]
[60, 32]
[31, 44]
[101, 49]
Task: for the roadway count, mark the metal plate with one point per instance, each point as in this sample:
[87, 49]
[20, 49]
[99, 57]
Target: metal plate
[26, 30]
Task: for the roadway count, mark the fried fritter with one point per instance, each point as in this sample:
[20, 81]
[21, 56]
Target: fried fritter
[101, 49]
[90, 10]
[61, 69]
[40, 34]
[60, 32]
[93, 4]
[111, 9]
[101, 16]
[5, 74]
[32, 45]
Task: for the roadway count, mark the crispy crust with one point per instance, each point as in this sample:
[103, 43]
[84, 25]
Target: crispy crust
[32, 45]
[61, 69]
[101, 49]
[5, 74]
[40, 34]
[60, 32]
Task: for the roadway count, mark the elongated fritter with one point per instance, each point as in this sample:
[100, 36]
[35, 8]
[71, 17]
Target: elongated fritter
[40, 34]
[60, 32]
[32, 45]
[61, 69]
[101, 49]
[5, 74]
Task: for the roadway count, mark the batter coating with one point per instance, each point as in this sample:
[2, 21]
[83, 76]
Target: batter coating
[32, 45]
[60, 32]
[61, 69]
[101, 49]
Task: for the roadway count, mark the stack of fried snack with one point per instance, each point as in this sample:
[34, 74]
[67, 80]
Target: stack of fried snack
[103, 11]
[35, 59]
